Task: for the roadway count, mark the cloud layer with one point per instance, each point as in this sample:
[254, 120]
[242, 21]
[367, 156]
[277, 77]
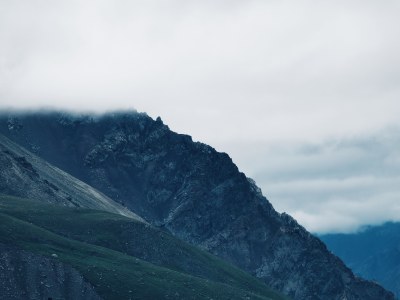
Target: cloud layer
[336, 185]
[260, 77]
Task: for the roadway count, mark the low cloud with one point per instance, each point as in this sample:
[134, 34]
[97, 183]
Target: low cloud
[253, 69]
[266, 81]
[334, 186]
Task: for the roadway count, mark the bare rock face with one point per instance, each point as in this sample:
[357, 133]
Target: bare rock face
[193, 191]
[24, 275]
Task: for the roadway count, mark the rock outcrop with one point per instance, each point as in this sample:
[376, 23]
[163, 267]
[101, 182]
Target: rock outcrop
[24, 275]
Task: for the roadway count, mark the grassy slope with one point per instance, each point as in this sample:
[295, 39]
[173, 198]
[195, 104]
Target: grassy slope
[38, 227]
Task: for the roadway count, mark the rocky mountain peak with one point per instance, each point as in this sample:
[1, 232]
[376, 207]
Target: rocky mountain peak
[196, 193]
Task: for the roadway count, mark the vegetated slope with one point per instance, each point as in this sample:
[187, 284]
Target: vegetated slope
[116, 275]
[24, 174]
[195, 192]
[373, 253]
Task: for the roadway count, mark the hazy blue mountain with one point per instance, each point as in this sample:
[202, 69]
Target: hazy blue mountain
[192, 191]
[373, 253]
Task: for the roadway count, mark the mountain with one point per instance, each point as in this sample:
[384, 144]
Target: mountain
[372, 253]
[192, 191]
[51, 249]
[46, 243]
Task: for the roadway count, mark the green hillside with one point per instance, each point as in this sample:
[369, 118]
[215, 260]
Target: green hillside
[123, 258]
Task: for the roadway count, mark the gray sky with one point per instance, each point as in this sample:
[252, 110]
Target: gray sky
[304, 95]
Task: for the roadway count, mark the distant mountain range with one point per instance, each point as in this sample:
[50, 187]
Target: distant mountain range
[166, 203]
[373, 253]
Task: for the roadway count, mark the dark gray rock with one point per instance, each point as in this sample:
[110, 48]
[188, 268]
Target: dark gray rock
[194, 192]
[24, 275]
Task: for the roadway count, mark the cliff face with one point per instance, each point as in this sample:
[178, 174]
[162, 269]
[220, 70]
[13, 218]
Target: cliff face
[24, 275]
[193, 191]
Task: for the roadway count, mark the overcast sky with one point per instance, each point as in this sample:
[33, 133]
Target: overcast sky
[304, 95]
